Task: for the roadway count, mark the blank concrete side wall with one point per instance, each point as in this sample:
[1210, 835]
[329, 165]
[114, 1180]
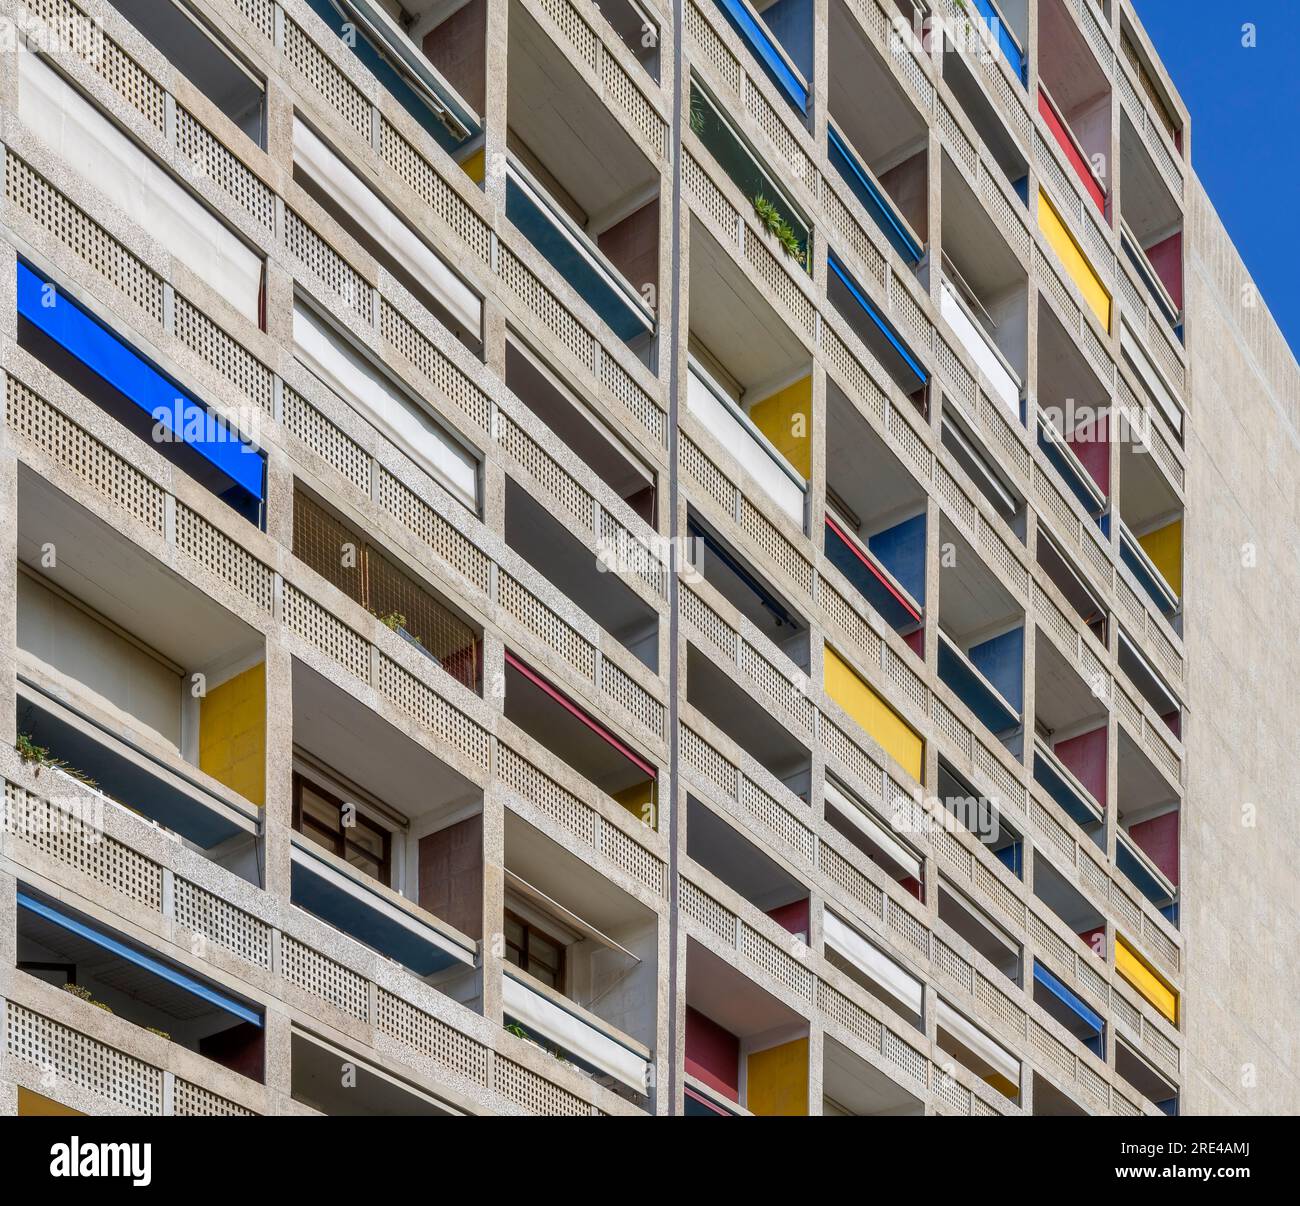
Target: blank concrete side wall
[1241, 844]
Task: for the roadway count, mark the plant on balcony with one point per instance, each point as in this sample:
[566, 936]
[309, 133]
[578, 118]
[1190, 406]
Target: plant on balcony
[772, 220]
[29, 751]
[83, 993]
[697, 113]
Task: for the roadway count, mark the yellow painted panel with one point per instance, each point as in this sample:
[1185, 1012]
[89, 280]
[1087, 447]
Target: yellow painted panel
[639, 800]
[1135, 970]
[786, 419]
[776, 1081]
[895, 736]
[232, 734]
[1003, 1085]
[1076, 263]
[473, 166]
[1165, 548]
[34, 1105]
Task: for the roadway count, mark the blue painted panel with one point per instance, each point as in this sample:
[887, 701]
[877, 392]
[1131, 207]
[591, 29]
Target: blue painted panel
[369, 925]
[131, 375]
[791, 22]
[162, 970]
[1011, 857]
[991, 711]
[1144, 577]
[1067, 998]
[541, 231]
[1140, 877]
[1002, 661]
[894, 612]
[759, 40]
[886, 329]
[1064, 793]
[1006, 40]
[875, 202]
[393, 80]
[901, 550]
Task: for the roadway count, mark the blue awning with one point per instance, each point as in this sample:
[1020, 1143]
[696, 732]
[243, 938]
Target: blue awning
[873, 200]
[890, 335]
[760, 42]
[52, 311]
[1067, 998]
[162, 970]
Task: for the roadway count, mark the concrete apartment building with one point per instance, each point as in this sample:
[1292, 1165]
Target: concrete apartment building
[703, 558]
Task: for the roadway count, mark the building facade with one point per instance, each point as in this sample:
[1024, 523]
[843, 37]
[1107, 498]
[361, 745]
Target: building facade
[573, 559]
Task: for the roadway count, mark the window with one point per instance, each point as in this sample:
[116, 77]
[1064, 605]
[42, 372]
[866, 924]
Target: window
[341, 828]
[541, 956]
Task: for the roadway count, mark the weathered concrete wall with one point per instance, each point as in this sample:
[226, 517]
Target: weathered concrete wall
[1241, 840]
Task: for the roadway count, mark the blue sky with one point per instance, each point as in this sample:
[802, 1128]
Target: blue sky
[1245, 107]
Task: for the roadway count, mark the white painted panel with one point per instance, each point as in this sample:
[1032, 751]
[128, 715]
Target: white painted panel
[873, 963]
[355, 197]
[993, 1054]
[876, 832]
[1005, 387]
[365, 388]
[1150, 376]
[78, 134]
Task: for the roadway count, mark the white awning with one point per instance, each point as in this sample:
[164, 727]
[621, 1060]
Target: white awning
[328, 354]
[1150, 376]
[569, 1032]
[355, 197]
[993, 1054]
[872, 962]
[874, 830]
[78, 134]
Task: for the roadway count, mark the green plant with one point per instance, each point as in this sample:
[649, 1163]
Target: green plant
[83, 993]
[160, 1033]
[517, 1030]
[697, 112]
[774, 222]
[29, 751]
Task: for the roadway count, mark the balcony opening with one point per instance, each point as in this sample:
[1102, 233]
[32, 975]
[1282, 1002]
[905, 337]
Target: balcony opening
[720, 848]
[973, 923]
[964, 75]
[779, 34]
[875, 523]
[404, 604]
[1148, 814]
[1152, 384]
[1136, 1071]
[579, 188]
[582, 430]
[1151, 686]
[984, 293]
[982, 468]
[1070, 745]
[542, 538]
[1165, 111]
[746, 1051]
[878, 335]
[977, 1051]
[103, 967]
[733, 153]
[1151, 531]
[1087, 604]
[1074, 98]
[338, 1084]
[736, 581]
[581, 962]
[1069, 904]
[877, 140]
[851, 1087]
[78, 133]
[429, 56]
[1149, 983]
[1074, 417]
[327, 352]
[1075, 262]
[749, 378]
[981, 816]
[203, 59]
[1070, 1010]
[1050, 1102]
[581, 742]
[386, 234]
[1005, 31]
[875, 837]
[637, 27]
[91, 357]
[388, 839]
[981, 638]
[753, 724]
[867, 965]
[847, 688]
[144, 666]
[1151, 232]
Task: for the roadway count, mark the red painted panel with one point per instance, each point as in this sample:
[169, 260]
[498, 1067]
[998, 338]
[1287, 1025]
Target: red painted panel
[914, 886]
[1158, 840]
[792, 917]
[1096, 940]
[1167, 259]
[916, 642]
[712, 1054]
[1091, 444]
[1085, 757]
[1066, 143]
